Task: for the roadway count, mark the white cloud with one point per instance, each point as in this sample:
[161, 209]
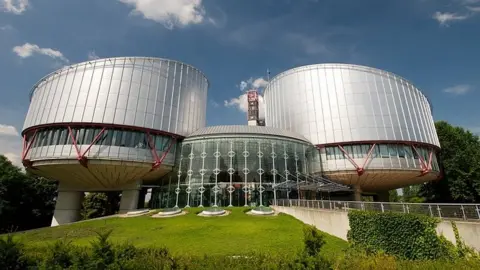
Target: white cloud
[11, 144]
[251, 83]
[169, 12]
[446, 17]
[8, 130]
[259, 83]
[14, 6]
[474, 9]
[6, 27]
[92, 55]
[27, 50]
[214, 103]
[458, 89]
[14, 158]
[311, 46]
[241, 103]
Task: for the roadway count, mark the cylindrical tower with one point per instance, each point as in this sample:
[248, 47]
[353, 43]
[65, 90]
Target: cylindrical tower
[102, 124]
[373, 129]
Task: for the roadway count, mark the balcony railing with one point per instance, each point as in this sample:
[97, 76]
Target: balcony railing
[470, 212]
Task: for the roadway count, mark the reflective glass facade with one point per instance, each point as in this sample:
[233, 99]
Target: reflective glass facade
[113, 143]
[237, 171]
[383, 156]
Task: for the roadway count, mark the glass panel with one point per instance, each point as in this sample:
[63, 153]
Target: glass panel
[384, 151]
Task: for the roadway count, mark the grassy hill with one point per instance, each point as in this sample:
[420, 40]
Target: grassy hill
[235, 234]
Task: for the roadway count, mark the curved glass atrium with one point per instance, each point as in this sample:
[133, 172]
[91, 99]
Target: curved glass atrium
[242, 170]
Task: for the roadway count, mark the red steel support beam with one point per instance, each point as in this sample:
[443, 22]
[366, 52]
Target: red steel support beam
[426, 166]
[26, 148]
[151, 145]
[158, 160]
[349, 157]
[165, 153]
[360, 170]
[369, 154]
[74, 141]
[83, 159]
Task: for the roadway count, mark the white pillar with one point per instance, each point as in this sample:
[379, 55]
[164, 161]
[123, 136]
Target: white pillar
[67, 207]
[129, 200]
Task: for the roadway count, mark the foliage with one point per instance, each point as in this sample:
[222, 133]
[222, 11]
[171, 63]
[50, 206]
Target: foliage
[26, 201]
[313, 240]
[65, 255]
[100, 204]
[406, 236]
[359, 259]
[236, 234]
[460, 158]
[411, 194]
[393, 196]
[11, 254]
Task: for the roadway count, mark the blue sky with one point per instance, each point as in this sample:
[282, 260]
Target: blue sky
[433, 43]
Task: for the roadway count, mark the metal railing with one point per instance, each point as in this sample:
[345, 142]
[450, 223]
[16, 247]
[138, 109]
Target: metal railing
[469, 212]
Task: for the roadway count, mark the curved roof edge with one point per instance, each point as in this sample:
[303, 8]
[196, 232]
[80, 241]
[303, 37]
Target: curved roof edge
[109, 58]
[363, 67]
[245, 130]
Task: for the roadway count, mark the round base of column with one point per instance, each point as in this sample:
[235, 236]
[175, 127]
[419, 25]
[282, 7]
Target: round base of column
[262, 211]
[169, 212]
[213, 212]
[137, 212]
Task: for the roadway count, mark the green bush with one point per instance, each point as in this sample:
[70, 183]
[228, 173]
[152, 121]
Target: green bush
[12, 254]
[358, 259]
[406, 236]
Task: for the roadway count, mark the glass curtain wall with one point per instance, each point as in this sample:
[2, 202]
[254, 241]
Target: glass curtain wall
[399, 151]
[232, 172]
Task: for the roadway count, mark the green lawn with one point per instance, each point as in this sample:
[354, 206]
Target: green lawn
[237, 233]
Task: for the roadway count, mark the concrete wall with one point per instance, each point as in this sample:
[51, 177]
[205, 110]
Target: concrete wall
[332, 222]
[336, 223]
[469, 232]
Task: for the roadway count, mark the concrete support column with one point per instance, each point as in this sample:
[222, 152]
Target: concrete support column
[130, 196]
[67, 207]
[357, 194]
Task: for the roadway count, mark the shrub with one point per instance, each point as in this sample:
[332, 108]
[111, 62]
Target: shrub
[406, 236]
[313, 240]
[12, 254]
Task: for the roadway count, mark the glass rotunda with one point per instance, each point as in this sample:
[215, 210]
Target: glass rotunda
[236, 166]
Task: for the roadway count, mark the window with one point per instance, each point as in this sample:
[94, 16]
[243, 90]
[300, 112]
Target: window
[401, 151]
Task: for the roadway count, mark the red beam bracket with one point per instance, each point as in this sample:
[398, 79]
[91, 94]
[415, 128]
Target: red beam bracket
[26, 148]
[82, 159]
[426, 166]
[158, 160]
[360, 169]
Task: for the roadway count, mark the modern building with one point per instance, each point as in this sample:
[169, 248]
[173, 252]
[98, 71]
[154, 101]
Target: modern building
[133, 122]
[111, 124]
[240, 166]
[374, 130]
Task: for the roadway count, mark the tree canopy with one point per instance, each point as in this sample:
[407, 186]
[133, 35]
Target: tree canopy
[460, 160]
[26, 201]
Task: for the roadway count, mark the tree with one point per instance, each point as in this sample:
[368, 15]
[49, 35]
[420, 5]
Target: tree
[411, 194]
[100, 204]
[460, 160]
[26, 201]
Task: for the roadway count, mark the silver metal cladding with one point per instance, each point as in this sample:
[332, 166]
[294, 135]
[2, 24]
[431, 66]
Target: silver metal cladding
[144, 92]
[333, 103]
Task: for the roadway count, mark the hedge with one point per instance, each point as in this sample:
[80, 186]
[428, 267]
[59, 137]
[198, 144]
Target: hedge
[406, 236]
